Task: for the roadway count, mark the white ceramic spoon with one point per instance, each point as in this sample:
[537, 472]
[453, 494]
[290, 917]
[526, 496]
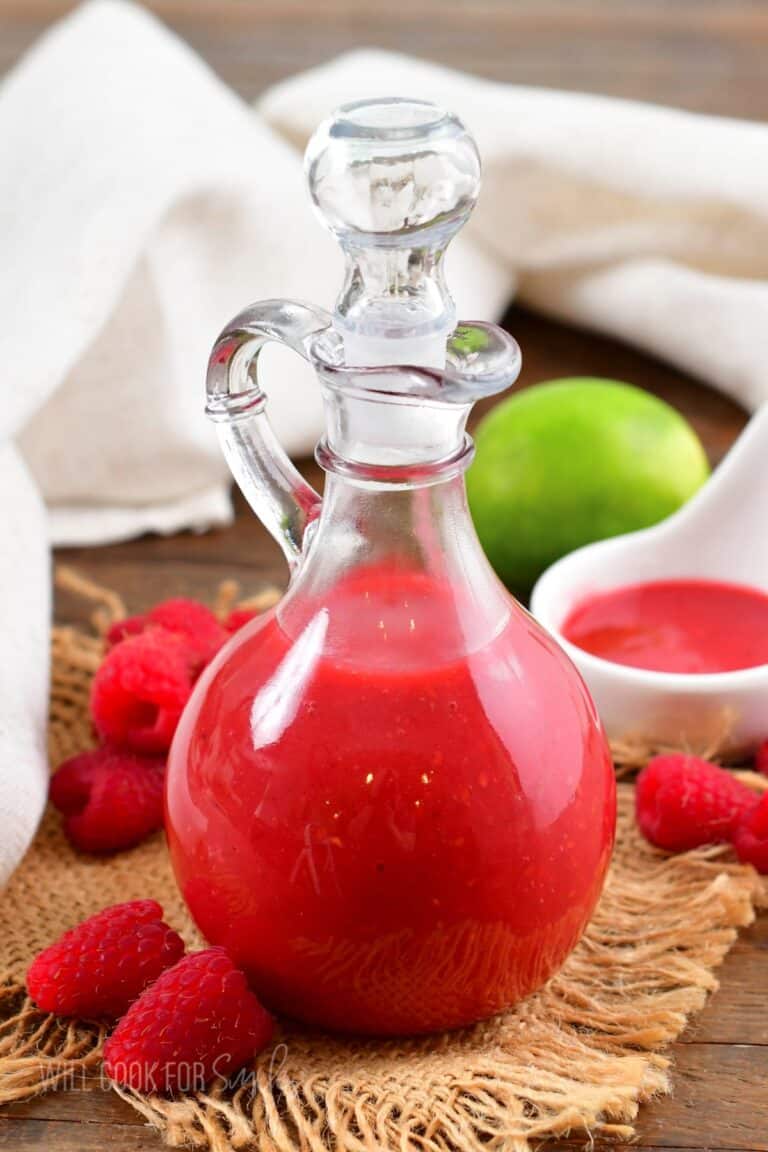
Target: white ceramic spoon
[721, 534]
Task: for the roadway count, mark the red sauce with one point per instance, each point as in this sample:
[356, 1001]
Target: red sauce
[387, 837]
[675, 626]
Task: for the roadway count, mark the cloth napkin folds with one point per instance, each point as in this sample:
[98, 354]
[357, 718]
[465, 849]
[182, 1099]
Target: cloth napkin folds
[142, 204]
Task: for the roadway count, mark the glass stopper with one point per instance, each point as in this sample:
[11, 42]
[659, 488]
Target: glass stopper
[393, 179]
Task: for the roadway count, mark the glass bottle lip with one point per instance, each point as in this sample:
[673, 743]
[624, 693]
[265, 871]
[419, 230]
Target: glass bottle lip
[481, 360]
[417, 474]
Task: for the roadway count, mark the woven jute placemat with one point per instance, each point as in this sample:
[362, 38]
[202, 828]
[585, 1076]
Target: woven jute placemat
[578, 1057]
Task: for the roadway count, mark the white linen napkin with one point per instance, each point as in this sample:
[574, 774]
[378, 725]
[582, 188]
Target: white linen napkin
[142, 204]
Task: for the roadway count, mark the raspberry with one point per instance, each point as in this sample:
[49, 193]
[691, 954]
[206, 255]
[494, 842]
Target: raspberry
[750, 837]
[195, 622]
[682, 802]
[197, 1021]
[122, 629]
[238, 618]
[140, 689]
[188, 619]
[98, 968]
[111, 799]
[761, 758]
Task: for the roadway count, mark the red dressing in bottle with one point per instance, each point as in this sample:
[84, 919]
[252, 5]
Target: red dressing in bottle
[398, 838]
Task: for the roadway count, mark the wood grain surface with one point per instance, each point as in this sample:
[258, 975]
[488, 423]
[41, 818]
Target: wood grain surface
[707, 55]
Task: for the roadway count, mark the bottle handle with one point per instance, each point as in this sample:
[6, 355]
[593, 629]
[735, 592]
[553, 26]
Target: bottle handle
[235, 401]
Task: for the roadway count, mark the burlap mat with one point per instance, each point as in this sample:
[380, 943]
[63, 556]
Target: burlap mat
[580, 1056]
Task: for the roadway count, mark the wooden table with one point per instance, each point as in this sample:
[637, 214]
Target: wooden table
[705, 55]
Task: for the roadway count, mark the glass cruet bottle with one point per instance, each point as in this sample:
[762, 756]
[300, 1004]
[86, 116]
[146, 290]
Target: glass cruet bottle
[390, 797]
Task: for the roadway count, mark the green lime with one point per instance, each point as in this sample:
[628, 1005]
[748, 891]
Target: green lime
[572, 461]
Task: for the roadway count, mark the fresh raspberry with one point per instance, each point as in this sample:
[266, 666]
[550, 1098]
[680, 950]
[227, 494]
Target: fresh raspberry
[682, 802]
[197, 1021]
[750, 836]
[122, 629]
[110, 798]
[238, 618]
[195, 622]
[98, 968]
[189, 619]
[140, 689]
[761, 758]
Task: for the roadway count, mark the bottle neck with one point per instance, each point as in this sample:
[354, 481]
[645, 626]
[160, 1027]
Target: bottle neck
[392, 439]
[418, 536]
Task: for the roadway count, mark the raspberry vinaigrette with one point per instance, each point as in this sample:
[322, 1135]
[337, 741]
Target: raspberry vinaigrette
[387, 836]
[390, 799]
